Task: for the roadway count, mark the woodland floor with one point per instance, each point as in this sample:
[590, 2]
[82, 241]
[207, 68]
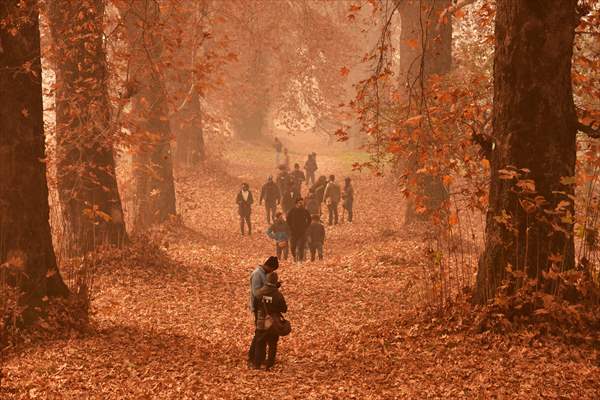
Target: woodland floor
[174, 324]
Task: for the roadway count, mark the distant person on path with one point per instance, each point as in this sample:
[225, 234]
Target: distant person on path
[280, 232]
[319, 188]
[271, 196]
[313, 205]
[258, 278]
[288, 199]
[332, 197]
[244, 201]
[278, 148]
[286, 159]
[310, 166]
[298, 220]
[271, 302]
[348, 197]
[284, 180]
[298, 179]
[316, 238]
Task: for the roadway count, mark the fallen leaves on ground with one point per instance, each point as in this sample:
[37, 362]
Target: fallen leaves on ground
[170, 316]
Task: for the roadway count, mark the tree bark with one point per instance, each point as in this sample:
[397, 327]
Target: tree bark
[187, 124]
[425, 50]
[534, 125]
[87, 183]
[149, 123]
[25, 239]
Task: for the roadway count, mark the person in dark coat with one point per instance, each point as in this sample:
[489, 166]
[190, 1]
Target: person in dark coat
[271, 196]
[332, 198]
[310, 166]
[244, 201]
[278, 146]
[315, 236]
[298, 220]
[280, 232]
[271, 302]
[313, 206]
[348, 198]
[258, 278]
[319, 188]
[298, 179]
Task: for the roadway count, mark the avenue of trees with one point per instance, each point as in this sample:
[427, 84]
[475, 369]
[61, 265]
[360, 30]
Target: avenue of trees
[142, 82]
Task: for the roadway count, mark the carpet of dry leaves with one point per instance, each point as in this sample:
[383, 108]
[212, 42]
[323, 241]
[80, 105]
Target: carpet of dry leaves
[171, 321]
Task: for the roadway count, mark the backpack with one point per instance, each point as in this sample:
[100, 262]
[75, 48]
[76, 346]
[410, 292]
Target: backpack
[276, 323]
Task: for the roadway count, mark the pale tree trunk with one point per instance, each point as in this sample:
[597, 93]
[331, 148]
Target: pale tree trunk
[87, 184]
[534, 125]
[187, 124]
[25, 240]
[425, 50]
[149, 121]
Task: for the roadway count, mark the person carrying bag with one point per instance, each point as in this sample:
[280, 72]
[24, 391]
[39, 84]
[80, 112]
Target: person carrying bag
[270, 324]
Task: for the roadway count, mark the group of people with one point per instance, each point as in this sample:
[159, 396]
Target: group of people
[298, 225]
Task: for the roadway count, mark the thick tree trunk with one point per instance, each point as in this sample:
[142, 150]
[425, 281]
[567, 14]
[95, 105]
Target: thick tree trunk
[25, 241]
[87, 183]
[425, 50]
[534, 126]
[152, 159]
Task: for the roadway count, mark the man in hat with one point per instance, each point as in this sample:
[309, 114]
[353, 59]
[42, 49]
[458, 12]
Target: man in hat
[258, 277]
[271, 196]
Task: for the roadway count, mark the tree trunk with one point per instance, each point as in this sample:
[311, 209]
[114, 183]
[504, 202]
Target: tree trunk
[425, 50]
[25, 241]
[187, 124]
[152, 159]
[534, 126]
[87, 183]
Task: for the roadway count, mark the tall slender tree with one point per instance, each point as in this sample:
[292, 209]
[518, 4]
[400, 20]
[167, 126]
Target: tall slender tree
[425, 50]
[149, 117]
[25, 241]
[534, 129]
[87, 183]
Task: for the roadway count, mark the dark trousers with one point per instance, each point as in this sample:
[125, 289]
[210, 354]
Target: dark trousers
[348, 208]
[263, 339]
[297, 243]
[270, 210]
[245, 220]
[333, 213]
[282, 251]
[316, 249]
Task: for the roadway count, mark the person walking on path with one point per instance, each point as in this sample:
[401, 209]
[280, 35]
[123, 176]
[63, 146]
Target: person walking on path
[280, 232]
[278, 148]
[348, 198]
[298, 179]
[272, 303]
[286, 159]
[271, 196]
[331, 197]
[298, 220]
[313, 205]
[244, 201]
[319, 188]
[258, 278]
[310, 166]
[315, 236]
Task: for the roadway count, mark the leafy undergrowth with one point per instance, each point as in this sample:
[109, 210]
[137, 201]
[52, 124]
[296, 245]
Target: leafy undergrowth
[170, 317]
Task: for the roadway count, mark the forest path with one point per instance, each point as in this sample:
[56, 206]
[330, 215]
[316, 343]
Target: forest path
[176, 324]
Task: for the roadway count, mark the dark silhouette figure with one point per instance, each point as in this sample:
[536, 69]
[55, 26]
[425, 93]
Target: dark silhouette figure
[271, 196]
[271, 302]
[310, 166]
[244, 201]
[315, 236]
[348, 198]
[298, 220]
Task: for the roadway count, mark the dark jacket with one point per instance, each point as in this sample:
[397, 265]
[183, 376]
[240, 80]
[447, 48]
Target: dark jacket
[316, 233]
[284, 182]
[299, 220]
[298, 177]
[244, 206]
[319, 190]
[273, 301]
[270, 194]
[311, 165]
[313, 206]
